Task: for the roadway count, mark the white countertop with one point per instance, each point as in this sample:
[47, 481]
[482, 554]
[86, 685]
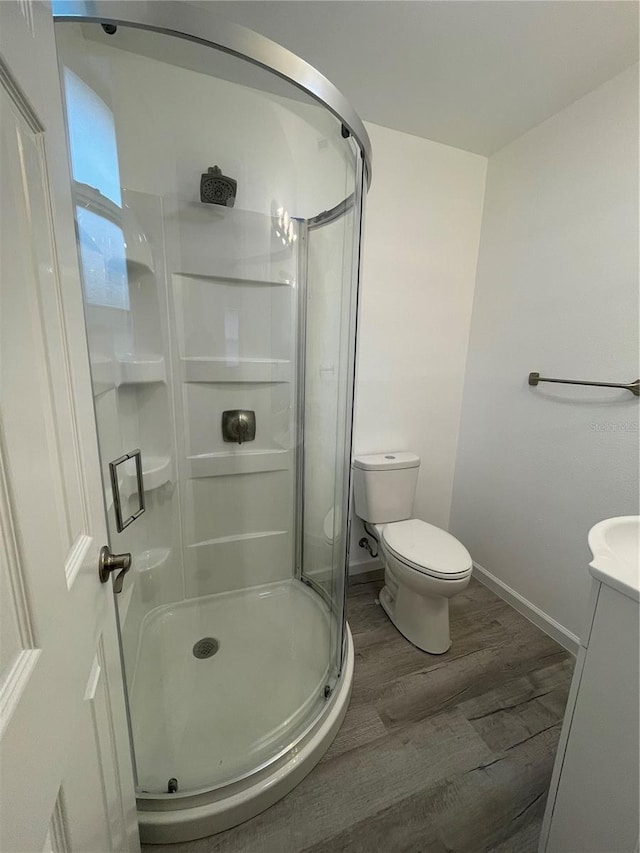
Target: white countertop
[615, 545]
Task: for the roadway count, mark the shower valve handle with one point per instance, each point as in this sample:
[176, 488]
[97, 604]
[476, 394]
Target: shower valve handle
[241, 427]
[109, 562]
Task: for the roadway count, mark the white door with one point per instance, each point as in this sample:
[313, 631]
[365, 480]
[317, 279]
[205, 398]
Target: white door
[65, 763]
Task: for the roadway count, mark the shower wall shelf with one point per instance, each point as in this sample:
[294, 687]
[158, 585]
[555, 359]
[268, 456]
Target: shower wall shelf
[236, 370]
[102, 374]
[138, 268]
[156, 471]
[138, 370]
[108, 374]
[239, 537]
[239, 280]
[238, 462]
[152, 559]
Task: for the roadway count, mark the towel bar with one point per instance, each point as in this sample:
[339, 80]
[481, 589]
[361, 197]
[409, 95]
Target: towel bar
[634, 387]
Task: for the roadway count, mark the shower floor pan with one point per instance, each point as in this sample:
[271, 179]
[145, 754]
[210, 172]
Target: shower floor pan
[241, 726]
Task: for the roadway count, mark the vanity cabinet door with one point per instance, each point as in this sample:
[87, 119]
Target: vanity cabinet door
[597, 803]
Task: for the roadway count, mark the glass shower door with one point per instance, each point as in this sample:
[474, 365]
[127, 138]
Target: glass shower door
[328, 396]
[221, 345]
[128, 344]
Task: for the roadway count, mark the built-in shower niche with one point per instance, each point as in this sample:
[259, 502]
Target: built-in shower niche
[233, 284]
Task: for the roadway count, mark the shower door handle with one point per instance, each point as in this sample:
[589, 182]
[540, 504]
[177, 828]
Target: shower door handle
[109, 562]
[121, 522]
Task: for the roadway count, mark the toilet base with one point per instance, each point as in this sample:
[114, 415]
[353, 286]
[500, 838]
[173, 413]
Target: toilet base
[422, 619]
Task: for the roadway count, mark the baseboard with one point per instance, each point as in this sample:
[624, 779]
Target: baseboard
[370, 570]
[540, 619]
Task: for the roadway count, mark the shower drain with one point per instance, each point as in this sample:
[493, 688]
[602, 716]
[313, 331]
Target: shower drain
[206, 647]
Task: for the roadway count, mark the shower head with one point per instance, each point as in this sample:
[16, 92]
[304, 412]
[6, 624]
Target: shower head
[216, 188]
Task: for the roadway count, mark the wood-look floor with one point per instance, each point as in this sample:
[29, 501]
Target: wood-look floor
[437, 752]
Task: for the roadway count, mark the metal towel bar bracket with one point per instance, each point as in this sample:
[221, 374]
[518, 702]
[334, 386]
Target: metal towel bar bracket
[634, 387]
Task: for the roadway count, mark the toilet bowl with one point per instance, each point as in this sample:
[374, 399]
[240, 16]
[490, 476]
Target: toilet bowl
[424, 565]
[420, 579]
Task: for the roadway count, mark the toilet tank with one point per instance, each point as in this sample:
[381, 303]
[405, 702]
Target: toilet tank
[384, 486]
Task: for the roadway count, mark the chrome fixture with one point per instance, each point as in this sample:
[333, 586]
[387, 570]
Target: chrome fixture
[238, 425]
[115, 489]
[109, 562]
[634, 387]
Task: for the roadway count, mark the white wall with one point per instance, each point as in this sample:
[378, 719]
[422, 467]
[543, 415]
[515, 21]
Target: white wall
[422, 227]
[556, 292]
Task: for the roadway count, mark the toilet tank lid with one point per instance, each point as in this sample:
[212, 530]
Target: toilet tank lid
[386, 461]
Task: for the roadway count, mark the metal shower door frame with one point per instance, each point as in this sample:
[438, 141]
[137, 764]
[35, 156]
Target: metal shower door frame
[200, 25]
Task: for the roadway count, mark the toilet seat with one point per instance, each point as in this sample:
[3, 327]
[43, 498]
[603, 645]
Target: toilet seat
[427, 549]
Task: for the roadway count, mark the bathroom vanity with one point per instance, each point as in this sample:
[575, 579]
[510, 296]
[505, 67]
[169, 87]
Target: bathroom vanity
[593, 803]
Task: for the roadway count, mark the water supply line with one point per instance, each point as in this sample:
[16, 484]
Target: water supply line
[364, 542]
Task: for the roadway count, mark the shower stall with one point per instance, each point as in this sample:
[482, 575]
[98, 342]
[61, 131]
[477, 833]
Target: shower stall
[218, 184]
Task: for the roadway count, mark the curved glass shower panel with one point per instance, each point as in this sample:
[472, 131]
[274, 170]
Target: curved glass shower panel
[327, 402]
[221, 305]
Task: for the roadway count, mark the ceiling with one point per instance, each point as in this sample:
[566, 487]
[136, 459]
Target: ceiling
[474, 74]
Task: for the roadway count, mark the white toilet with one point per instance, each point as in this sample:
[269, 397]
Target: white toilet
[424, 565]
